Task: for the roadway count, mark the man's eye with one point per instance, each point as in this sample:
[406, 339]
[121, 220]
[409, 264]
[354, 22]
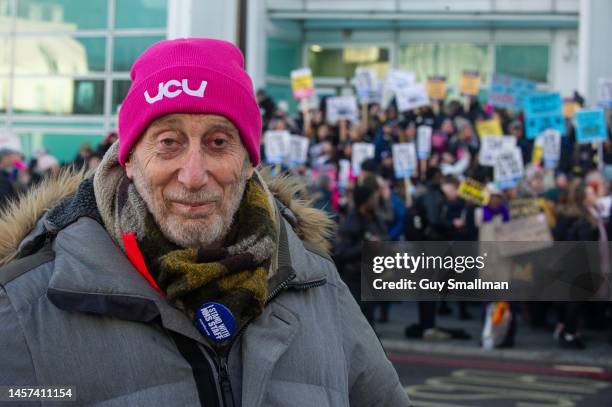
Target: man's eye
[168, 142]
[219, 142]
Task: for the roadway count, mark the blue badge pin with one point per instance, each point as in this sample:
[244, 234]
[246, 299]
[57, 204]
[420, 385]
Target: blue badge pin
[216, 321]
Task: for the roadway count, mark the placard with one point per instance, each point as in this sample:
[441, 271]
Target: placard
[298, 150]
[473, 191]
[550, 143]
[341, 107]
[508, 166]
[491, 146]
[532, 230]
[523, 207]
[366, 84]
[509, 91]
[301, 83]
[423, 142]
[276, 145]
[398, 79]
[360, 153]
[605, 93]
[436, 87]
[344, 172]
[469, 83]
[491, 127]
[590, 126]
[404, 159]
[543, 111]
[411, 97]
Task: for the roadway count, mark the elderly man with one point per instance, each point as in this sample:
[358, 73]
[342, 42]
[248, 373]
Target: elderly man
[176, 275]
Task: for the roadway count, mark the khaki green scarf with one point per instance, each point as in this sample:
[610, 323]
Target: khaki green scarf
[235, 275]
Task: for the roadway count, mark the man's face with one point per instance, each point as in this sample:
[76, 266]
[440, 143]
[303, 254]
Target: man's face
[191, 170]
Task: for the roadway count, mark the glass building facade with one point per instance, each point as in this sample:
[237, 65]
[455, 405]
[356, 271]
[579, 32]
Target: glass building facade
[64, 67]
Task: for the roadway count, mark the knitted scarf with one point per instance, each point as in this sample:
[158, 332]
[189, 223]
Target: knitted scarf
[234, 275]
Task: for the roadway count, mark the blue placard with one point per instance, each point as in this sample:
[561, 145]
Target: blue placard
[215, 321]
[543, 111]
[590, 126]
[509, 92]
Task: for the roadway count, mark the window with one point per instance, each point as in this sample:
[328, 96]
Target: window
[526, 61]
[127, 49]
[120, 90]
[58, 96]
[342, 62]
[61, 15]
[283, 57]
[59, 54]
[447, 59]
[140, 13]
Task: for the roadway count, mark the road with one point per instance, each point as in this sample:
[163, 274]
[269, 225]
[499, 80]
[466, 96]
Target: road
[444, 381]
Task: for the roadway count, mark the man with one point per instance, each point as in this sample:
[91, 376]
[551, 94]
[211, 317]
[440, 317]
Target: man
[176, 276]
[8, 157]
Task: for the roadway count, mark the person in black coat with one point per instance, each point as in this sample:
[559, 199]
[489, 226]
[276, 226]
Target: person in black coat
[8, 157]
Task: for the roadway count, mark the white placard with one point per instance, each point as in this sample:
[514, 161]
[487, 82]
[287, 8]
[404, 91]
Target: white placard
[490, 146]
[360, 153]
[404, 159]
[276, 145]
[341, 107]
[605, 92]
[508, 165]
[411, 97]
[398, 79]
[344, 166]
[9, 140]
[550, 141]
[298, 150]
[423, 142]
[366, 84]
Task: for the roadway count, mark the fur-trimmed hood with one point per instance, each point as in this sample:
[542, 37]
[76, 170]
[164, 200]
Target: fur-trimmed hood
[19, 218]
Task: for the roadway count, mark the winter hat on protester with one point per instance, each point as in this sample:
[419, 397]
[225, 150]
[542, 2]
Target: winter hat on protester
[191, 75]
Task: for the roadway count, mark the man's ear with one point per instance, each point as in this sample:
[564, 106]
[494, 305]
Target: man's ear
[129, 167]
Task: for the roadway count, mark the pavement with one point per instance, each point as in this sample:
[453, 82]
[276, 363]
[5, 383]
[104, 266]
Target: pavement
[532, 344]
[459, 373]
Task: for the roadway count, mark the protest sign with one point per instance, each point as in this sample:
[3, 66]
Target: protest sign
[570, 108]
[398, 79]
[605, 93]
[509, 91]
[9, 140]
[508, 166]
[297, 150]
[491, 146]
[411, 97]
[590, 126]
[301, 83]
[423, 142]
[491, 127]
[344, 172]
[366, 84]
[469, 83]
[533, 230]
[276, 145]
[523, 207]
[360, 153]
[404, 159]
[341, 107]
[473, 191]
[550, 143]
[543, 111]
[436, 87]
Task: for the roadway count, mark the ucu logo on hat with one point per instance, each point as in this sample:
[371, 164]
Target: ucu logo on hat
[164, 90]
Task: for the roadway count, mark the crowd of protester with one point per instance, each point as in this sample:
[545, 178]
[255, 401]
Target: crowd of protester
[375, 206]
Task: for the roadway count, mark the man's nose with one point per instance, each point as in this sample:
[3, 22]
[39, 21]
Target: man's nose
[194, 170]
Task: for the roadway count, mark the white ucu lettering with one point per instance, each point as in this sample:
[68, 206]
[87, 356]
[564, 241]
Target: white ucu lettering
[163, 90]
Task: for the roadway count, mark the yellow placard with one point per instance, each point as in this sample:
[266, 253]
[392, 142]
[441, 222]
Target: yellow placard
[469, 83]
[570, 109]
[537, 155]
[436, 88]
[301, 83]
[473, 191]
[491, 127]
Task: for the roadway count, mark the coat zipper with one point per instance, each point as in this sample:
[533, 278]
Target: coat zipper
[224, 381]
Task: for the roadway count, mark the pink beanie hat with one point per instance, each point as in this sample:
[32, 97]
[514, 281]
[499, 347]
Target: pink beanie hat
[193, 75]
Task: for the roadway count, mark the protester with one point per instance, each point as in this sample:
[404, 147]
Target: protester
[180, 267]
